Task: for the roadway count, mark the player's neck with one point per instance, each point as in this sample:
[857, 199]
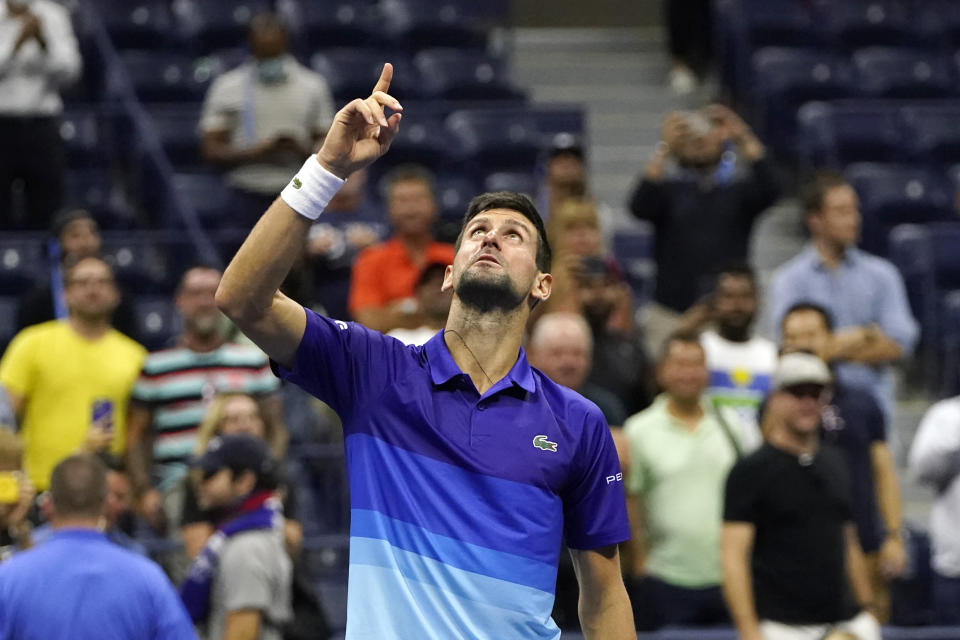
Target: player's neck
[484, 345]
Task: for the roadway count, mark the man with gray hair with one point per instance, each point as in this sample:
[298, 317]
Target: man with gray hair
[78, 584]
[561, 346]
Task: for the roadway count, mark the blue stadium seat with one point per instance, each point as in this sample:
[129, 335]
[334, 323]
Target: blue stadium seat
[950, 335]
[176, 126]
[454, 192]
[99, 193]
[785, 78]
[9, 306]
[352, 72]
[497, 139]
[157, 321]
[890, 72]
[934, 135]
[939, 22]
[138, 264]
[207, 194]
[463, 74]
[769, 23]
[167, 77]
[218, 24]
[862, 23]
[555, 119]
[419, 24]
[21, 263]
[836, 134]
[518, 181]
[897, 194]
[334, 23]
[423, 140]
[80, 130]
[142, 24]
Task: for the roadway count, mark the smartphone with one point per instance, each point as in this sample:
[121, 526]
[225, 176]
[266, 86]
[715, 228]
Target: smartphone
[9, 487]
[102, 413]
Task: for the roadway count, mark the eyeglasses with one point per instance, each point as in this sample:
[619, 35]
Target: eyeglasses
[813, 391]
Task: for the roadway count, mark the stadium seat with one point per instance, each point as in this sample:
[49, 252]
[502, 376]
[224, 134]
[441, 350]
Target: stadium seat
[950, 336]
[218, 24]
[890, 72]
[779, 23]
[497, 139]
[934, 135]
[139, 265]
[896, 194]
[463, 74]
[352, 72]
[420, 24]
[555, 119]
[836, 134]
[9, 307]
[22, 261]
[518, 181]
[80, 130]
[141, 24]
[176, 126]
[322, 24]
[785, 78]
[862, 23]
[423, 140]
[98, 192]
[938, 22]
[454, 192]
[167, 77]
[157, 321]
[207, 195]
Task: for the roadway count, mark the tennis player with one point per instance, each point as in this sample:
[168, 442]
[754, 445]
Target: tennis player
[468, 469]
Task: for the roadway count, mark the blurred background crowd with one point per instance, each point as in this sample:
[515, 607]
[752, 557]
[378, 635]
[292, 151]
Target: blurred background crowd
[723, 182]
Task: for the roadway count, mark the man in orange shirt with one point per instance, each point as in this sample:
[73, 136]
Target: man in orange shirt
[384, 276]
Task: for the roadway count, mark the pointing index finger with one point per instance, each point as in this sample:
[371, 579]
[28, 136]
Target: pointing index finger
[385, 77]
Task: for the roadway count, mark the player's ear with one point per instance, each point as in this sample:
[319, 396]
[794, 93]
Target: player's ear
[542, 286]
[447, 278]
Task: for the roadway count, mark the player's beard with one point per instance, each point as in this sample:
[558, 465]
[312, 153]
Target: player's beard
[488, 294]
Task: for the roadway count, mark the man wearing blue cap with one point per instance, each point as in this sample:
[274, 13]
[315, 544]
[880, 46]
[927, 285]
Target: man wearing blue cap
[240, 584]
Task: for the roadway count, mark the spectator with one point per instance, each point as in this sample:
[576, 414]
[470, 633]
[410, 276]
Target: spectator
[16, 497]
[620, 362]
[935, 460]
[680, 452]
[350, 224]
[574, 231]
[702, 204]
[741, 363]
[240, 586]
[69, 382]
[864, 294]
[39, 55]
[689, 35]
[75, 235]
[381, 288]
[434, 305]
[232, 414]
[117, 513]
[78, 584]
[560, 346]
[788, 544]
[261, 118]
[170, 397]
[855, 423]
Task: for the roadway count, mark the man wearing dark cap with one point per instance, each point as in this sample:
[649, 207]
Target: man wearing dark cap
[240, 584]
[74, 235]
[793, 567]
[79, 584]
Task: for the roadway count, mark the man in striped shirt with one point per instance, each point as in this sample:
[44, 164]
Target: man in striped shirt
[175, 385]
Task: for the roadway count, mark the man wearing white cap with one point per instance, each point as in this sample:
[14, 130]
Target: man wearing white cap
[793, 567]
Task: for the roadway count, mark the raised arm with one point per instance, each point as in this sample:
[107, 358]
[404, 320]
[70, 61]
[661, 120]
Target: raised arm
[249, 291]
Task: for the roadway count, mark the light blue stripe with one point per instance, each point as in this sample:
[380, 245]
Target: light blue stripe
[397, 594]
[455, 553]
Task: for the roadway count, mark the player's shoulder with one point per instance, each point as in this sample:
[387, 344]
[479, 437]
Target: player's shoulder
[566, 404]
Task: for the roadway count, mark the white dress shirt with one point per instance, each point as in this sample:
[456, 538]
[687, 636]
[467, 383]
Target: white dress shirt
[31, 77]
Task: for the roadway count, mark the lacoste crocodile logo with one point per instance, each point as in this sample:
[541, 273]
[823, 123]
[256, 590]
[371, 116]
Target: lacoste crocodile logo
[541, 442]
[296, 183]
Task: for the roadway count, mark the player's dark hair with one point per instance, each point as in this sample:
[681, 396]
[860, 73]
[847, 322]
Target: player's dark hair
[513, 202]
[809, 306]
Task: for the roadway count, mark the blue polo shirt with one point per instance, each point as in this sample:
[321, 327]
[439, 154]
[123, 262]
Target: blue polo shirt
[78, 585]
[460, 502]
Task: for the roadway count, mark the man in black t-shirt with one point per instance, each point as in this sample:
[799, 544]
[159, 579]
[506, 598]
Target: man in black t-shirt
[793, 568]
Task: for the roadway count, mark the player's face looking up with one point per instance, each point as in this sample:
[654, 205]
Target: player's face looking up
[495, 267]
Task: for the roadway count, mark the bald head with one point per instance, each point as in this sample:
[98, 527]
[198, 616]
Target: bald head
[78, 488]
[561, 346]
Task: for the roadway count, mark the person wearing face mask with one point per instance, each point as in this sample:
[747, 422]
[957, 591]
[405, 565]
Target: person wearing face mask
[38, 56]
[707, 183]
[261, 118]
[174, 387]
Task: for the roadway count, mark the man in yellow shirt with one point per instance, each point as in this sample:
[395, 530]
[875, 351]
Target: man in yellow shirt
[69, 381]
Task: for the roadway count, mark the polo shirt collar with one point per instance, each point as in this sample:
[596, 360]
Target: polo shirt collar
[443, 368]
[850, 256]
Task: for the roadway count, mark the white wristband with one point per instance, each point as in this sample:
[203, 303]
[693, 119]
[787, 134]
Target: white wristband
[311, 189]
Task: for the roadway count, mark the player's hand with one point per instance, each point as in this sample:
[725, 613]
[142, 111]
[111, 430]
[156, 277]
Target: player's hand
[361, 132]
